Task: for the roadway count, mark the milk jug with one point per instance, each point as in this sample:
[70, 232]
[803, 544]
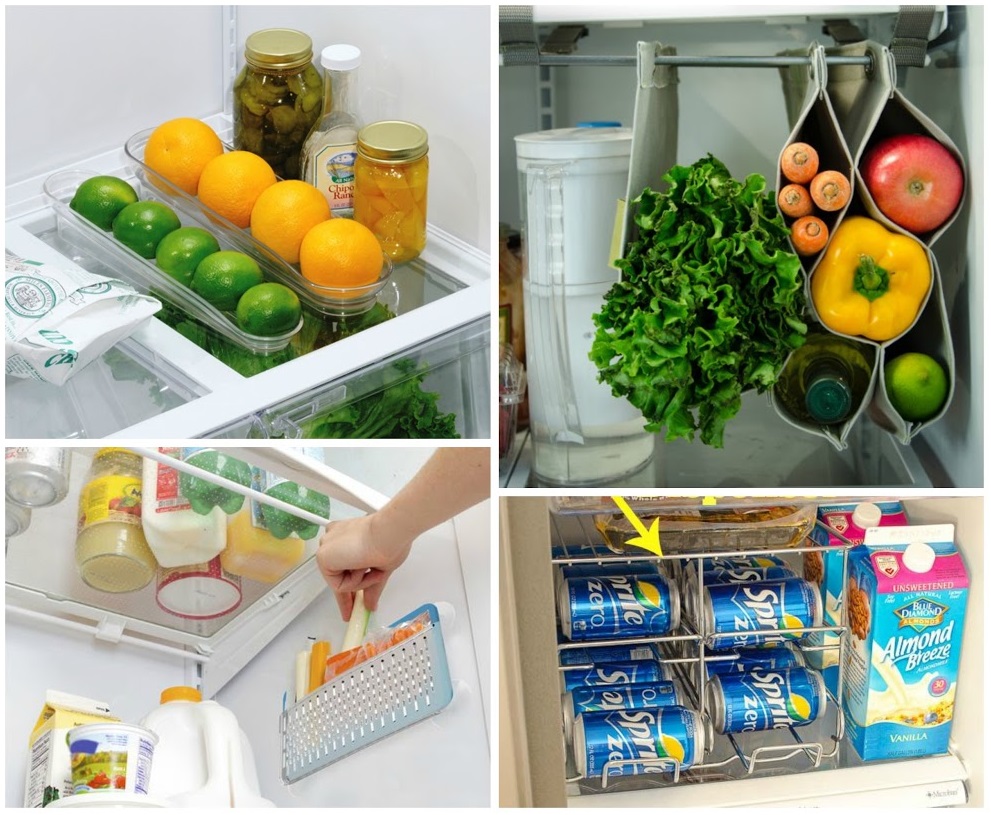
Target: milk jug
[570, 181]
[177, 535]
[202, 758]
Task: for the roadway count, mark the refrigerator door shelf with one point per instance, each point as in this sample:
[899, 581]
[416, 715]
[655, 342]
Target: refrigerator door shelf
[42, 581]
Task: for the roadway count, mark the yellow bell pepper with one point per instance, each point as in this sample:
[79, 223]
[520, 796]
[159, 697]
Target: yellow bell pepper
[870, 282]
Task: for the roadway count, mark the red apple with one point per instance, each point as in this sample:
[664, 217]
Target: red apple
[914, 180]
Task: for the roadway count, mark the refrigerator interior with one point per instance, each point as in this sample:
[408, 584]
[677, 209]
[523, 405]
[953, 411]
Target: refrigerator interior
[738, 115]
[124, 649]
[163, 382]
[805, 767]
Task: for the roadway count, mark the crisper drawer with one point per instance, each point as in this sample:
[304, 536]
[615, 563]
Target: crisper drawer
[438, 389]
[811, 763]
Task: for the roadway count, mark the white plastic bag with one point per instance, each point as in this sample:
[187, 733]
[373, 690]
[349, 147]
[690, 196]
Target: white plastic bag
[59, 317]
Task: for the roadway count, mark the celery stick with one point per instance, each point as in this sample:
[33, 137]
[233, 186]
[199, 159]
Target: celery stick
[358, 624]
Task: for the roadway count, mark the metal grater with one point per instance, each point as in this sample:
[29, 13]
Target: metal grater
[399, 687]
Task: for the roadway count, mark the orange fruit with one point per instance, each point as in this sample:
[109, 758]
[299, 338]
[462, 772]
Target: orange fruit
[284, 213]
[179, 149]
[231, 183]
[340, 253]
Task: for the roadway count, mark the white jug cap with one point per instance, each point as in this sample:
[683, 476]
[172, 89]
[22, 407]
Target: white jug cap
[571, 143]
[919, 557]
[866, 515]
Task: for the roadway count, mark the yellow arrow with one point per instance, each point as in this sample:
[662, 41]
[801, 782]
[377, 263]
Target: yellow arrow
[650, 539]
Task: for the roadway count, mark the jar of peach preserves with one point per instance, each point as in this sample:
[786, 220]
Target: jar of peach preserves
[390, 186]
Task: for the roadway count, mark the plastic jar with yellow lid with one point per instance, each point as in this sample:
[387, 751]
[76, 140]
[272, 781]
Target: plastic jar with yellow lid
[390, 186]
[278, 96]
[111, 551]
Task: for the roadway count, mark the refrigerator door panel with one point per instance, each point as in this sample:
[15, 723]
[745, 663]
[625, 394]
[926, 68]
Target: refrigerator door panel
[442, 761]
[544, 770]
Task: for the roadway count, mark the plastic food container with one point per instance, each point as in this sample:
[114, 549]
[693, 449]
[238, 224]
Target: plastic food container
[512, 385]
[37, 476]
[111, 757]
[255, 553]
[322, 299]
[698, 525]
[202, 591]
[142, 273]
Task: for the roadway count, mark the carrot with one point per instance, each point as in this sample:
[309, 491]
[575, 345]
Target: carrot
[799, 162]
[809, 235]
[794, 201]
[830, 190]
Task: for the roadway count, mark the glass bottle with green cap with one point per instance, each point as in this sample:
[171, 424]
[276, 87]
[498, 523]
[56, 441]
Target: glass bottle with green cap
[825, 381]
[390, 186]
[277, 98]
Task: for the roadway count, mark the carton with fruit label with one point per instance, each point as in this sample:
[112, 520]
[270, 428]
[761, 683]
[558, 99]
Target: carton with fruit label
[825, 568]
[908, 598]
[49, 776]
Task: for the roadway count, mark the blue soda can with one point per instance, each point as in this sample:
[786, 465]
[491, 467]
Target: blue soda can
[727, 574]
[764, 699]
[673, 733]
[744, 660]
[690, 570]
[616, 697]
[603, 569]
[606, 653]
[614, 673]
[749, 611]
[617, 606]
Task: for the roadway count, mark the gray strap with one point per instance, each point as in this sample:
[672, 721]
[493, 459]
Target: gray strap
[517, 37]
[911, 36]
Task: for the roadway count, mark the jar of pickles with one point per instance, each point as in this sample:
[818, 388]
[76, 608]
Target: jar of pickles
[278, 96]
[390, 186]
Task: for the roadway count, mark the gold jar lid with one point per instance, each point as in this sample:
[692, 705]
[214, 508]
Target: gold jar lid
[392, 142]
[278, 48]
[112, 451]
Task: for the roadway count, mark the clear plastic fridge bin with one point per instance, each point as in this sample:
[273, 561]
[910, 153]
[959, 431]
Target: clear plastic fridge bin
[454, 365]
[142, 273]
[324, 300]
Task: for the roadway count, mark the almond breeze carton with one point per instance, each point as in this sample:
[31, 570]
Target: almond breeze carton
[907, 598]
[825, 569]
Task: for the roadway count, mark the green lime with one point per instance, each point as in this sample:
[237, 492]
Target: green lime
[180, 252]
[917, 386]
[268, 309]
[221, 278]
[141, 225]
[100, 198]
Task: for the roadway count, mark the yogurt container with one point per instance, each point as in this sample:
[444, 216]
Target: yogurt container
[110, 757]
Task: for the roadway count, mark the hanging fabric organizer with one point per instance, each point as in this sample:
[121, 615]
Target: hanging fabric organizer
[869, 108]
[843, 100]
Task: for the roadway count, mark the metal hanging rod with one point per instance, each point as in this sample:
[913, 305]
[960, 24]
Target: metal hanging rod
[701, 62]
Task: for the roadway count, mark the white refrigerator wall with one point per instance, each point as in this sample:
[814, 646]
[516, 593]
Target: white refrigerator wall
[442, 761]
[80, 80]
[738, 114]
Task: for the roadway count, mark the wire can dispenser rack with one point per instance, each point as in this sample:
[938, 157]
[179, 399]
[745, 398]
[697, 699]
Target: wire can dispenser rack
[686, 651]
[403, 685]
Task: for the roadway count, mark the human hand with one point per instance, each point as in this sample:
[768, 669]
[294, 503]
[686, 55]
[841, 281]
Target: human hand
[360, 554]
